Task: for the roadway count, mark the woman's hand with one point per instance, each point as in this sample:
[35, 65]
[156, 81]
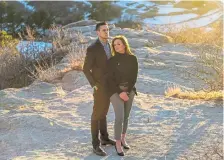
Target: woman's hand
[124, 96]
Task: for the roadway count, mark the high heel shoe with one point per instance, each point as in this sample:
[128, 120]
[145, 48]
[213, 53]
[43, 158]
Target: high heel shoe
[120, 154]
[125, 146]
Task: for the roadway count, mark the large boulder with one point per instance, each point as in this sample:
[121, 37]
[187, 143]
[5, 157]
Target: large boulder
[13, 98]
[73, 80]
[138, 43]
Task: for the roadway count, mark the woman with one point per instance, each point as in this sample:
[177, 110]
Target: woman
[123, 70]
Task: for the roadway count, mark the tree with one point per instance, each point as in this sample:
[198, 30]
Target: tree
[61, 11]
[14, 19]
[2, 14]
[104, 11]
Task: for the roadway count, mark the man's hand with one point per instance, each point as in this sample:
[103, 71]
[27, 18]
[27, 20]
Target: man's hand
[95, 88]
[124, 96]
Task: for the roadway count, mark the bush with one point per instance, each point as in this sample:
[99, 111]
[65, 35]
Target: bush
[208, 68]
[176, 92]
[104, 11]
[11, 63]
[69, 44]
[15, 68]
[7, 41]
[129, 23]
[196, 35]
[12, 71]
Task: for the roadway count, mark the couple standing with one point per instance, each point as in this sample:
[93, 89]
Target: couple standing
[112, 72]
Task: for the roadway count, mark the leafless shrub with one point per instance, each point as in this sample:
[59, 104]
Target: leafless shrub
[13, 65]
[76, 56]
[72, 45]
[187, 35]
[45, 71]
[178, 93]
[208, 68]
[211, 151]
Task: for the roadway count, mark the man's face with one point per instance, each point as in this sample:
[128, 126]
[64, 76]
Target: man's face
[103, 32]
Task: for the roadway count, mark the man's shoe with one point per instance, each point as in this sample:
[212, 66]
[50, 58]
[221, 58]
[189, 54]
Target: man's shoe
[108, 141]
[99, 151]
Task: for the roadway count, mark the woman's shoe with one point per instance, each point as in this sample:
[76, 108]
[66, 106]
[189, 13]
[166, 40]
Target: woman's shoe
[126, 146]
[120, 154]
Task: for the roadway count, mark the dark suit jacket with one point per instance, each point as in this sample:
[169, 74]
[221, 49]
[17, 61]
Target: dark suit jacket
[95, 64]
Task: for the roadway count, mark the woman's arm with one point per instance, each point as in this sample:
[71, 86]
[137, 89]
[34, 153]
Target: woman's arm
[133, 77]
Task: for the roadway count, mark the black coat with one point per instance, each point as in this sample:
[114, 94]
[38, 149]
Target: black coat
[123, 68]
[95, 64]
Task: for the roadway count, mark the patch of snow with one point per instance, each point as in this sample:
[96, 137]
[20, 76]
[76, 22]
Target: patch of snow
[166, 10]
[169, 19]
[203, 21]
[29, 47]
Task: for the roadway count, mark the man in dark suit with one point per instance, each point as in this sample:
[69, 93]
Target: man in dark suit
[95, 70]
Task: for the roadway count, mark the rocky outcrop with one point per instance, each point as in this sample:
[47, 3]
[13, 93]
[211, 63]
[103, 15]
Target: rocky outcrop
[52, 121]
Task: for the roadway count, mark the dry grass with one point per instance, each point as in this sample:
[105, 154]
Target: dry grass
[12, 66]
[208, 68]
[178, 93]
[19, 70]
[76, 56]
[208, 44]
[196, 35]
[72, 45]
[45, 72]
[210, 148]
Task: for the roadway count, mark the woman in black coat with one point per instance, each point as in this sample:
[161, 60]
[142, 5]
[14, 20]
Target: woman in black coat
[123, 70]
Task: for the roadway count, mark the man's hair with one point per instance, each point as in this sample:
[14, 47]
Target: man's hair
[100, 24]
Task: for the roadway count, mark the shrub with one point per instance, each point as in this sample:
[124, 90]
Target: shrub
[208, 68]
[195, 35]
[178, 93]
[11, 63]
[104, 11]
[129, 23]
[71, 45]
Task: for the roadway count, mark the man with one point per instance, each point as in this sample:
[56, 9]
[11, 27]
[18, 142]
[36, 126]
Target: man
[95, 70]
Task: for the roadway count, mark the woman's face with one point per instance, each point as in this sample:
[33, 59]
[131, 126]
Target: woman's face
[119, 46]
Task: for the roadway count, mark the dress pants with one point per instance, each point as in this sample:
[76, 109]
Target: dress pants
[98, 118]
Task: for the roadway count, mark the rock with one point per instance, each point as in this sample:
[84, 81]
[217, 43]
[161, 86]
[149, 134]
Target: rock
[153, 37]
[156, 37]
[137, 43]
[80, 23]
[73, 80]
[90, 29]
[173, 56]
[63, 66]
[12, 98]
[83, 29]
[142, 53]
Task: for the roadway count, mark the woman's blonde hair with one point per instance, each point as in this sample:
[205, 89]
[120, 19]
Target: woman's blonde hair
[125, 42]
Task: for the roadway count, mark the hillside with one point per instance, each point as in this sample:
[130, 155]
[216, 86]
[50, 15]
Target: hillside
[52, 120]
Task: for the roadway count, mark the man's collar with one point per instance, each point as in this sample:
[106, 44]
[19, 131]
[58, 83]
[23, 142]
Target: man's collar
[103, 43]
